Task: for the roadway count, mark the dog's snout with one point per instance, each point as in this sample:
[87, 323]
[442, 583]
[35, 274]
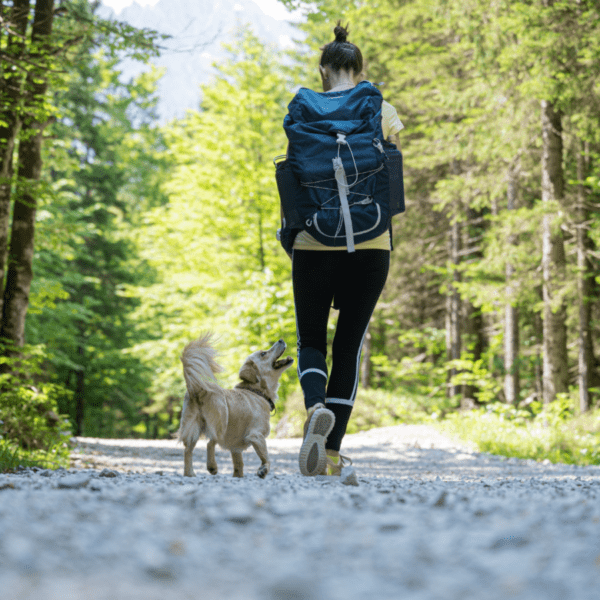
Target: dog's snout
[281, 341]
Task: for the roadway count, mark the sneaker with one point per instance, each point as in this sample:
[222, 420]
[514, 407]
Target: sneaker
[335, 464]
[318, 425]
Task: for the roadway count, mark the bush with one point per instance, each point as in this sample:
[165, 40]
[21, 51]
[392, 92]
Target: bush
[540, 433]
[373, 408]
[31, 430]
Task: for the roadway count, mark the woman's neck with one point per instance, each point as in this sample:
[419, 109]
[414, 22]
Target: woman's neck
[342, 80]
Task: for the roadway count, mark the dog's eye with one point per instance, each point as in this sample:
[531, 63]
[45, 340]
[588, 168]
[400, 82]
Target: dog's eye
[263, 353]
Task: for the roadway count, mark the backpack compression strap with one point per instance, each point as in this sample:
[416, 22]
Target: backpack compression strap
[342, 183]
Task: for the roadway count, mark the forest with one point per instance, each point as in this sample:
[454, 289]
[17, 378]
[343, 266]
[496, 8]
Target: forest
[121, 238]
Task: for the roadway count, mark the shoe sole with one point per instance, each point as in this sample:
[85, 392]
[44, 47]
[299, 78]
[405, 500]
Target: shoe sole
[313, 458]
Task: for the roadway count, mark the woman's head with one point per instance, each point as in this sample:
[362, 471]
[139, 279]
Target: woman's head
[341, 55]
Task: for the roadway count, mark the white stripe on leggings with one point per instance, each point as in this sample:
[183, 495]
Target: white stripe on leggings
[358, 363]
[301, 375]
[339, 401]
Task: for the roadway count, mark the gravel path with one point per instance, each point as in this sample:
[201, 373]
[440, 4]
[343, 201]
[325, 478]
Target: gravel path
[429, 519]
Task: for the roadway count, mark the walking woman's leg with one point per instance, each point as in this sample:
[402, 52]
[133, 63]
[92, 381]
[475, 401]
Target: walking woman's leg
[359, 288]
[313, 292]
[312, 275]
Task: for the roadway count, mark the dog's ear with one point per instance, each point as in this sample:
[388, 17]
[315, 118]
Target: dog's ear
[249, 372]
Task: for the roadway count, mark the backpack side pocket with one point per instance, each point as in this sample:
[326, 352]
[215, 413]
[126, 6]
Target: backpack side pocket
[396, 178]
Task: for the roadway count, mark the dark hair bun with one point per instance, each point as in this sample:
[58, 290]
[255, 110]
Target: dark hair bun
[341, 33]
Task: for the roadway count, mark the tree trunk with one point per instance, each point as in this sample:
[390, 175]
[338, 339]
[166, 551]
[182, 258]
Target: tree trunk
[473, 325]
[586, 371]
[453, 345]
[555, 370]
[11, 84]
[19, 275]
[538, 326]
[511, 315]
[80, 396]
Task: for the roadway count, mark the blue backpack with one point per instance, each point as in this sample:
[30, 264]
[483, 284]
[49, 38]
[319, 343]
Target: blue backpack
[341, 181]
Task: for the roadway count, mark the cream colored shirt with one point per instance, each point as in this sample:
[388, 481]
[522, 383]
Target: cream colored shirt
[391, 124]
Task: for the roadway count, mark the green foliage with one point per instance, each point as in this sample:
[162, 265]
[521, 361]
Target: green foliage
[147, 236]
[373, 408]
[103, 159]
[31, 429]
[539, 433]
[213, 248]
[474, 373]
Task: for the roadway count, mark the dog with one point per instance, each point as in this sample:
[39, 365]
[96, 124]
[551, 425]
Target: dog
[236, 418]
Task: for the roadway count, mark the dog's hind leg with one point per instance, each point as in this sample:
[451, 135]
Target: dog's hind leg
[189, 431]
[260, 447]
[188, 468]
[238, 464]
[211, 461]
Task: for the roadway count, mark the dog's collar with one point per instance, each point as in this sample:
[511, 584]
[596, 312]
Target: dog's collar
[245, 386]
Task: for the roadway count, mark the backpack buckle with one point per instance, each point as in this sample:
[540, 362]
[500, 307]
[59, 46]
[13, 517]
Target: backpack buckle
[341, 139]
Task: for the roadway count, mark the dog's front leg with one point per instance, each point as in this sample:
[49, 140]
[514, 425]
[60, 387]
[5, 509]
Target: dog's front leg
[260, 447]
[238, 464]
[211, 461]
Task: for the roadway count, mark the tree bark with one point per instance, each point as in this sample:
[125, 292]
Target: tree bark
[586, 359]
[473, 326]
[511, 315]
[80, 394]
[453, 310]
[20, 273]
[11, 89]
[555, 369]
[538, 327]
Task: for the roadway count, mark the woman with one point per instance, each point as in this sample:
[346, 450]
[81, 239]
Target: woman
[321, 273]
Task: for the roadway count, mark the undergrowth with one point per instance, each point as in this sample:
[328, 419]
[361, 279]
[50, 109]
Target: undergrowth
[373, 408]
[554, 432]
[32, 433]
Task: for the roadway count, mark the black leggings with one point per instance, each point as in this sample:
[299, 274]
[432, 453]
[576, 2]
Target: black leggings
[353, 281]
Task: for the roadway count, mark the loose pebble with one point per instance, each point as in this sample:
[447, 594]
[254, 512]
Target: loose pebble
[109, 473]
[348, 476]
[73, 482]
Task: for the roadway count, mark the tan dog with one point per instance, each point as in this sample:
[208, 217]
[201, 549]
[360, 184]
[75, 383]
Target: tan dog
[234, 419]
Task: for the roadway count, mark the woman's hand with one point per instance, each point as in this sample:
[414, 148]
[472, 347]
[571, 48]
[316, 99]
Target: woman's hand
[394, 139]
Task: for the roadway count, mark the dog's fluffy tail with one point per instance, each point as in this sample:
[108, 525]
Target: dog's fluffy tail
[200, 367]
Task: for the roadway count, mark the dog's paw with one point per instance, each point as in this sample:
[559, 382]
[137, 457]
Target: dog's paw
[189, 474]
[212, 470]
[262, 471]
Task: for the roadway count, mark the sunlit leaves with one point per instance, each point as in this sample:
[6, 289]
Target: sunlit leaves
[213, 245]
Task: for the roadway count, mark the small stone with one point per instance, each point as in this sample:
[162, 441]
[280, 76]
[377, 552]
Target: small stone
[441, 501]
[7, 486]
[108, 473]
[239, 513]
[390, 527]
[325, 479]
[348, 476]
[293, 588]
[74, 482]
